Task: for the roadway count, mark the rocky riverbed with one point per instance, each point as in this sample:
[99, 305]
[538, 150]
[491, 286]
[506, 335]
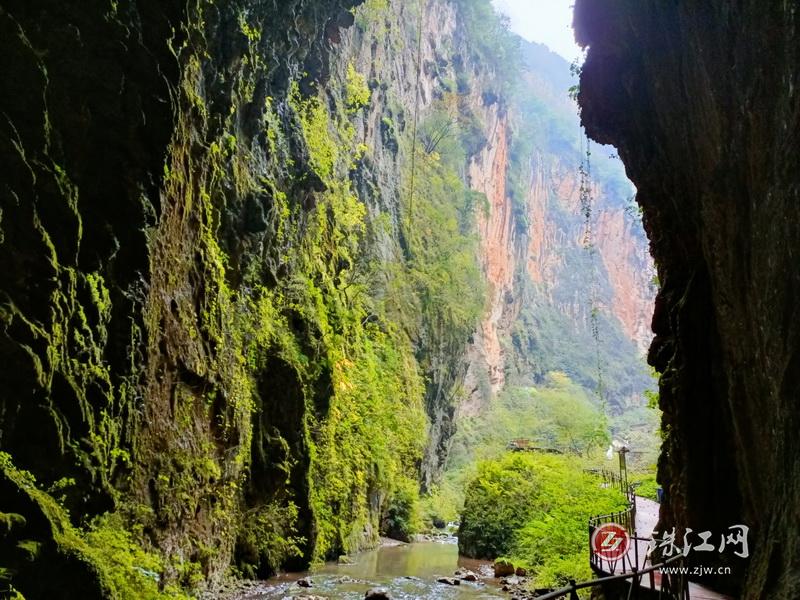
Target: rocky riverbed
[422, 569]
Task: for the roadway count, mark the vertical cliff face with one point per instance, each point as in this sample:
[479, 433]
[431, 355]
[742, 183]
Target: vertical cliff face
[498, 252]
[630, 273]
[702, 101]
[547, 263]
[189, 358]
[437, 95]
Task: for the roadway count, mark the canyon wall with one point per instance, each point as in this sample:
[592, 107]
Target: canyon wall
[701, 98]
[549, 265]
[238, 292]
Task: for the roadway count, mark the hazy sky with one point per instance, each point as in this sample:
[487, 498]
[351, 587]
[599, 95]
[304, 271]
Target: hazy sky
[546, 21]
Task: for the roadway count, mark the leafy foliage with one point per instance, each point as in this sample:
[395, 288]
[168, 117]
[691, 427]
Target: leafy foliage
[268, 533]
[558, 415]
[401, 517]
[108, 551]
[356, 91]
[646, 485]
[533, 509]
[493, 43]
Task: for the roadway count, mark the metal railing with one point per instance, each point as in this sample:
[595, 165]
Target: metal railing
[610, 478]
[671, 585]
[626, 517]
[661, 583]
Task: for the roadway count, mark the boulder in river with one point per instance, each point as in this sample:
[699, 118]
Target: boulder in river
[377, 594]
[449, 580]
[466, 575]
[305, 582]
[502, 568]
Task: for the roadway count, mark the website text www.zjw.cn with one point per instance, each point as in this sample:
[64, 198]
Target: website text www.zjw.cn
[698, 570]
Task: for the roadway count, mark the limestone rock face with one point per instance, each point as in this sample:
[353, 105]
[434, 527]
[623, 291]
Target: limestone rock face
[701, 99]
[124, 379]
[535, 251]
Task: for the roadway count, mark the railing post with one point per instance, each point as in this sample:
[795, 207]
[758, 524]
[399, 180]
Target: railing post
[573, 594]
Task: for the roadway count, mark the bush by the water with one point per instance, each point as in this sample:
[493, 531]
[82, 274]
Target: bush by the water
[533, 509]
[401, 517]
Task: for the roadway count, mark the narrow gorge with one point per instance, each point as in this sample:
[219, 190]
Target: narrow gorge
[283, 278]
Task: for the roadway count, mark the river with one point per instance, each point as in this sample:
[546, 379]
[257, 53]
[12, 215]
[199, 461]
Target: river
[407, 571]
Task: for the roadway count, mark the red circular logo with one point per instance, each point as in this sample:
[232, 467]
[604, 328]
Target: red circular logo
[610, 540]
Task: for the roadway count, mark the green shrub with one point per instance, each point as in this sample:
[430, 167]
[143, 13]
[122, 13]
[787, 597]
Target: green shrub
[267, 539]
[443, 503]
[646, 485]
[401, 517]
[133, 572]
[533, 509]
[357, 92]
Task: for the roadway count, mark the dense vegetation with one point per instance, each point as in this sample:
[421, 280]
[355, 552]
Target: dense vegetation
[532, 509]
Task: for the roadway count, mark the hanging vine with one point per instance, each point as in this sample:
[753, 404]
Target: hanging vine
[585, 172]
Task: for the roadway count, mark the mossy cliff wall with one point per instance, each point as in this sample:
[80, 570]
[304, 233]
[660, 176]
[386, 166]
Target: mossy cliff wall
[229, 327]
[188, 343]
[701, 98]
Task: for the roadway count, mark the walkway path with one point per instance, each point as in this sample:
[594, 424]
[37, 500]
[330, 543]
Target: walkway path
[646, 520]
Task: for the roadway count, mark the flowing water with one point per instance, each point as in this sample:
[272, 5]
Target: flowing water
[407, 571]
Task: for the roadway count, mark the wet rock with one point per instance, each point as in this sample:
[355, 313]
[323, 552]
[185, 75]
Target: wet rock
[486, 571]
[377, 594]
[502, 568]
[466, 575]
[305, 582]
[510, 581]
[389, 542]
[520, 572]
[449, 580]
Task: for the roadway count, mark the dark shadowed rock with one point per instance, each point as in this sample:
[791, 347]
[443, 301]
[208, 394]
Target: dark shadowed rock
[702, 103]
